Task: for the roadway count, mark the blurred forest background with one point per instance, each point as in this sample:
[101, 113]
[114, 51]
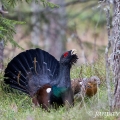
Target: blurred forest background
[79, 24]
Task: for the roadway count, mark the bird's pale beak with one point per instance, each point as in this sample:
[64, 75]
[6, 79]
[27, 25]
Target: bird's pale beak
[73, 52]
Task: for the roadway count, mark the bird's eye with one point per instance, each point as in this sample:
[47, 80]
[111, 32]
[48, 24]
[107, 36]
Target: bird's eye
[65, 54]
[88, 86]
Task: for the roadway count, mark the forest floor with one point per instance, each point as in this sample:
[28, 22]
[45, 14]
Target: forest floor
[15, 106]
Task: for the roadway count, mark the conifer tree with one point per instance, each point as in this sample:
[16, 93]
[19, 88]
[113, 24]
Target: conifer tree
[7, 29]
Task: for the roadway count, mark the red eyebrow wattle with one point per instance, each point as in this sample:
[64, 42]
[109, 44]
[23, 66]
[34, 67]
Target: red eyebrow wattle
[65, 54]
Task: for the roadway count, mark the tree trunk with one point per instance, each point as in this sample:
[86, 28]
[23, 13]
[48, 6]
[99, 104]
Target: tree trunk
[116, 53]
[35, 22]
[1, 41]
[55, 37]
[1, 54]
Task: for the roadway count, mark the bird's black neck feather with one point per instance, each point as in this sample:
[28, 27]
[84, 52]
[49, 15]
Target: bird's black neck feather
[64, 76]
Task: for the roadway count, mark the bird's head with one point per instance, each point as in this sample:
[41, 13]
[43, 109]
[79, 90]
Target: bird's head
[69, 57]
[91, 88]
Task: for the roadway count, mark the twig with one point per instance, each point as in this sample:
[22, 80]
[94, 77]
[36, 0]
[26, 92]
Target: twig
[77, 2]
[2, 11]
[79, 41]
[95, 55]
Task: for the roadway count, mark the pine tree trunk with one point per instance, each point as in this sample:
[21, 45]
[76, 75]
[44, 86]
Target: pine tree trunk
[116, 53]
[1, 54]
[54, 30]
[55, 37]
[1, 43]
[35, 22]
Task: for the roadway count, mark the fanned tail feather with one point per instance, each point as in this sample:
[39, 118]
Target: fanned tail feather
[31, 69]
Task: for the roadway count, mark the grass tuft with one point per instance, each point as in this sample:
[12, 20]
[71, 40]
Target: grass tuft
[18, 106]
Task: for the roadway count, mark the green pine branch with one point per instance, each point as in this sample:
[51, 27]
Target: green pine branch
[7, 31]
[14, 2]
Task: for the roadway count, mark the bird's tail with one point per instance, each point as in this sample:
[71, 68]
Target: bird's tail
[29, 68]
